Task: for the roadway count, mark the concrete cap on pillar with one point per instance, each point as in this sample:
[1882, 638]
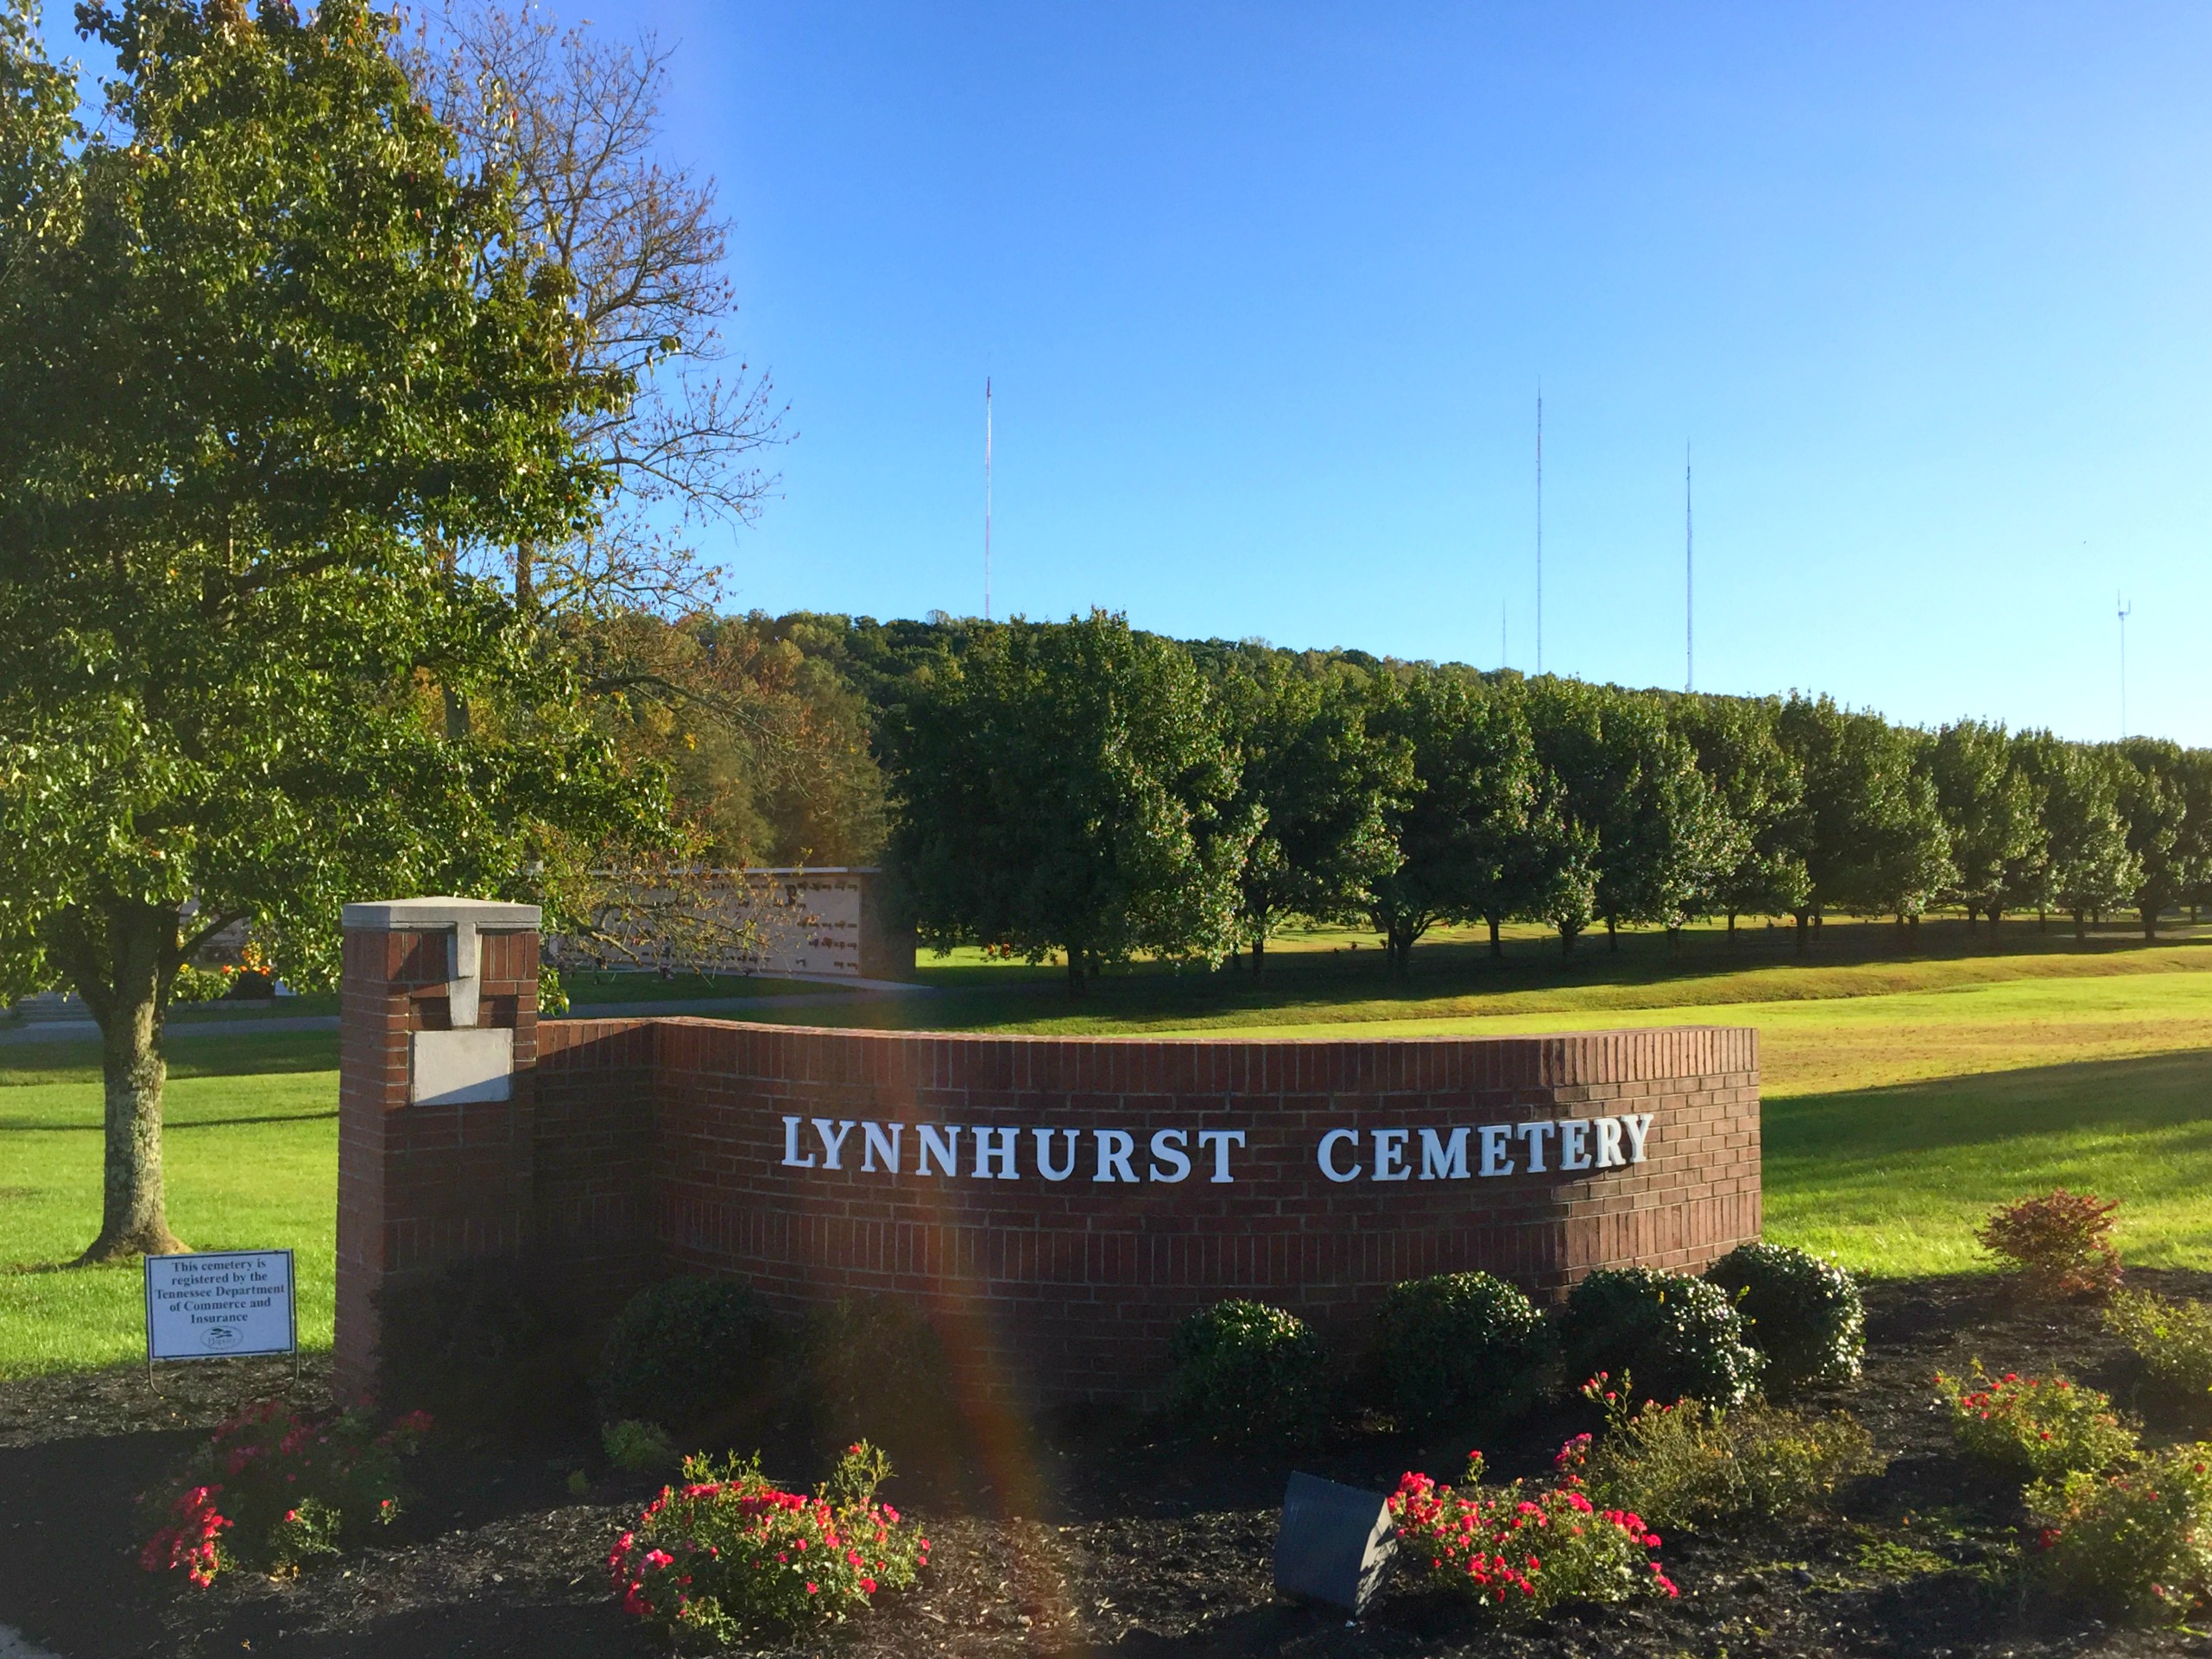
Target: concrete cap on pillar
[428, 915]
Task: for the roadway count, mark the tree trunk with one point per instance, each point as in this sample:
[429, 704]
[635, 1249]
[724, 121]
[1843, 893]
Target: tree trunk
[1259, 953]
[2150, 922]
[1674, 938]
[1996, 922]
[526, 577]
[1611, 933]
[2080, 924]
[1567, 937]
[129, 998]
[1731, 929]
[1497, 945]
[2042, 920]
[1075, 970]
[1801, 917]
[1912, 932]
[1971, 912]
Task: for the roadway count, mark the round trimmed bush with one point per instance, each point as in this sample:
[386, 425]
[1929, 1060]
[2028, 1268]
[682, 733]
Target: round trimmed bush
[489, 1347]
[1805, 1315]
[697, 1357]
[1457, 1346]
[1673, 1335]
[1244, 1370]
[877, 1370]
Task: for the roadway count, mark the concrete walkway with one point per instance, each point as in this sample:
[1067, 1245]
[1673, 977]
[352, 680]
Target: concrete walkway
[728, 1008]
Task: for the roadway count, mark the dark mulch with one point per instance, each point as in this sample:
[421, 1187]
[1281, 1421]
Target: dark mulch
[1099, 1538]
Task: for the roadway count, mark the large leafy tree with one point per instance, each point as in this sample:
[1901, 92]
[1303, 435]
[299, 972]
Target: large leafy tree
[2153, 780]
[1066, 787]
[1988, 809]
[1627, 777]
[1463, 832]
[1322, 784]
[1760, 787]
[2079, 861]
[1866, 827]
[265, 361]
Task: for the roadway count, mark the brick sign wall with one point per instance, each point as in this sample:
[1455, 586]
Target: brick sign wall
[1060, 1204]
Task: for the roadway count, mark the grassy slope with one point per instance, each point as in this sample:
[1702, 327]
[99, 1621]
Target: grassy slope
[1903, 1099]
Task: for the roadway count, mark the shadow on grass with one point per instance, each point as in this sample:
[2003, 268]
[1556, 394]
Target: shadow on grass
[173, 1127]
[2140, 1130]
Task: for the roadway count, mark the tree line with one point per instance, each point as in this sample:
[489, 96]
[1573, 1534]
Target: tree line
[1088, 790]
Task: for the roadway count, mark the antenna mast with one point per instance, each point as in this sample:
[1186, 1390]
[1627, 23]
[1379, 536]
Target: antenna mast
[987, 497]
[1689, 582]
[1539, 526]
[2126, 610]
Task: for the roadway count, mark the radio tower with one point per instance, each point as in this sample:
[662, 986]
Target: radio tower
[987, 497]
[2126, 610]
[1689, 583]
[1539, 526]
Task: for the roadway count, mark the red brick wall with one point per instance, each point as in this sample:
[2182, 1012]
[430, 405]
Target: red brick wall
[418, 1185]
[1071, 1288]
[639, 1147]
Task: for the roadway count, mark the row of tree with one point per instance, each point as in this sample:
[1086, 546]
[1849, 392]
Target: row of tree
[1085, 789]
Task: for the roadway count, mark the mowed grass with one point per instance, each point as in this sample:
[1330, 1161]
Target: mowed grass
[250, 1157]
[1903, 1099]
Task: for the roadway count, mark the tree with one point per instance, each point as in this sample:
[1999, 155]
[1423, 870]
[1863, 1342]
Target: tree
[1988, 810]
[572, 119]
[1462, 833]
[1320, 784]
[1760, 787]
[2153, 801]
[1867, 827]
[263, 359]
[1067, 787]
[1629, 780]
[2080, 861]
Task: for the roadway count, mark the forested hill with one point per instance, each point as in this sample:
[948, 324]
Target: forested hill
[1086, 788]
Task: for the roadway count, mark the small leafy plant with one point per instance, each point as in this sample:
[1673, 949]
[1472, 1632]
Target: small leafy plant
[2059, 1245]
[2030, 1427]
[726, 1555]
[1244, 1370]
[1688, 1463]
[1519, 1553]
[2172, 1339]
[1676, 1336]
[274, 1489]
[2136, 1544]
[1456, 1346]
[1806, 1315]
[635, 1448]
[702, 1357]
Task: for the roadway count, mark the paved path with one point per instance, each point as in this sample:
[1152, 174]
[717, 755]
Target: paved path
[734, 1008]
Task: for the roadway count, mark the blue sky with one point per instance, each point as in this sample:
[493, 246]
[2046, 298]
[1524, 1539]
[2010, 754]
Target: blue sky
[1266, 293]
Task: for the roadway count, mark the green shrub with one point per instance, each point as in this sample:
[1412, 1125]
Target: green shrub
[489, 1347]
[1688, 1463]
[2172, 1339]
[2134, 1545]
[1243, 1370]
[2029, 1427]
[274, 1489]
[2059, 1245]
[705, 1358]
[1457, 1346]
[726, 1556]
[1805, 1315]
[1675, 1336]
[1520, 1552]
[877, 1370]
[635, 1447]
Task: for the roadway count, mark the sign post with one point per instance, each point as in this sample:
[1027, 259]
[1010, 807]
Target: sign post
[220, 1305]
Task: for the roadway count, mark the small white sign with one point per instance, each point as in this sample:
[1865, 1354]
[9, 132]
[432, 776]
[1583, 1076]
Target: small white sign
[219, 1303]
[455, 1068]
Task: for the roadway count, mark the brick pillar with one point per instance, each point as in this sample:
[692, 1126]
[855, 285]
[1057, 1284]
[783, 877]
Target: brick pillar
[437, 1038]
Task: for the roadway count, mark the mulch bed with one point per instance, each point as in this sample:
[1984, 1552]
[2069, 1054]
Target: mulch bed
[1100, 1538]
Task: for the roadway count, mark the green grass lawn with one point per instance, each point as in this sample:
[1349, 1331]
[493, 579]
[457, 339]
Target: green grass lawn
[252, 1159]
[1904, 1096]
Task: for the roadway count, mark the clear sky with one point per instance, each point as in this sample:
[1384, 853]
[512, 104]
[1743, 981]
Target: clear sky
[1266, 292]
